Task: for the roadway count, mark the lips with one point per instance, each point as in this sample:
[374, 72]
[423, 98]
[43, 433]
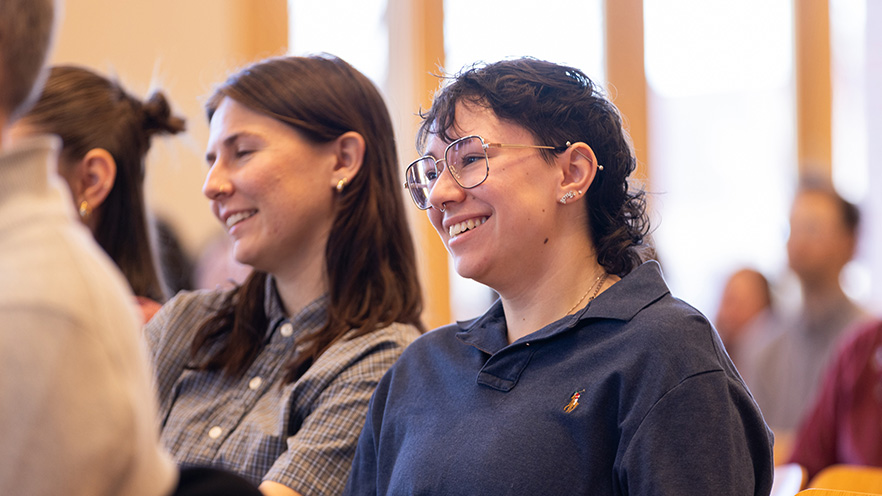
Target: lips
[467, 225]
[237, 217]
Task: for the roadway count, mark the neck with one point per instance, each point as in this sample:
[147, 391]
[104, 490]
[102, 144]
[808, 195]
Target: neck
[563, 281]
[3, 123]
[817, 294]
[299, 285]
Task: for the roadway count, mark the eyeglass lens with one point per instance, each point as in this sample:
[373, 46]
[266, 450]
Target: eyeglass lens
[466, 161]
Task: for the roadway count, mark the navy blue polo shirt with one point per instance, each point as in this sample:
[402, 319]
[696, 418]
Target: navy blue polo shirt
[634, 394]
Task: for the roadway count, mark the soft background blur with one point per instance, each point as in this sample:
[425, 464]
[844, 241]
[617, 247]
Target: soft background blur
[728, 104]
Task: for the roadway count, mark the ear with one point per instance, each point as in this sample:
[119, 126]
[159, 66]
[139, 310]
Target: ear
[97, 173]
[349, 150]
[579, 169]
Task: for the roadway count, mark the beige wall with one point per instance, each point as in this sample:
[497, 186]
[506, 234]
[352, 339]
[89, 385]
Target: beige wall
[183, 47]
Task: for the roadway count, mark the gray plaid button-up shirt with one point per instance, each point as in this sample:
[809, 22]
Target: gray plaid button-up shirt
[303, 434]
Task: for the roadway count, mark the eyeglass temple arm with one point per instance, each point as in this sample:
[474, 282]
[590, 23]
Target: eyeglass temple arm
[545, 147]
[505, 145]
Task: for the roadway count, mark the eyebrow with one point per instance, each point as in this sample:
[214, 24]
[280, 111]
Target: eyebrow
[230, 140]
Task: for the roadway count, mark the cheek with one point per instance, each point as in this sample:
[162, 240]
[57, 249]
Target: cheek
[215, 208]
[436, 218]
[68, 174]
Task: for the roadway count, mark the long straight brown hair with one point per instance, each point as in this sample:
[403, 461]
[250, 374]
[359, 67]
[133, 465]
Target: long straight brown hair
[88, 110]
[369, 258]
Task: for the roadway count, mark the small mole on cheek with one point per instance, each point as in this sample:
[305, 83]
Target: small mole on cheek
[545, 242]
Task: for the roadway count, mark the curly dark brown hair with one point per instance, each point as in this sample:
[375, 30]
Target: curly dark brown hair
[556, 104]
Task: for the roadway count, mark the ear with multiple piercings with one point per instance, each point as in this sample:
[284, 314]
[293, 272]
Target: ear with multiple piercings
[570, 195]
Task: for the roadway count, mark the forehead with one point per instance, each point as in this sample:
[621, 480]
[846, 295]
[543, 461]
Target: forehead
[472, 119]
[815, 205]
[231, 118]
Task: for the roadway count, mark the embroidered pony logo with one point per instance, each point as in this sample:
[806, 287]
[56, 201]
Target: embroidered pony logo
[574, 401]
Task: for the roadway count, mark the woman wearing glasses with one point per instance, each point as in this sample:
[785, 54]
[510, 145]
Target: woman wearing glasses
[586, 376]
[272, 379]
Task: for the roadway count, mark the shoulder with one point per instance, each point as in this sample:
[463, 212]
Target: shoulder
[860, 345]
[650, 337]
[56, 267]
[369, 354]
[395, 335]
[185, 309]
[672, 327]
[198, 301]
[173, 326]
[866, 335]
[434, 344]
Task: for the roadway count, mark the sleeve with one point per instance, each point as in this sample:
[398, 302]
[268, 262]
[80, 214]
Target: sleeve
[70, 402]
[815, 444]
[363, 477]
[704, 436]
[319, 455]
[168, 336]
[817, 439]
[153, 330]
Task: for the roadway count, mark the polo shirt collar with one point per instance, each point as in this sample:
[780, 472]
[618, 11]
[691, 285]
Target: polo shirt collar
[622, 301]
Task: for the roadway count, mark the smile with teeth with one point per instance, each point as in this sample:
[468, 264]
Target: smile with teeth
[239, 217]
[464, 226]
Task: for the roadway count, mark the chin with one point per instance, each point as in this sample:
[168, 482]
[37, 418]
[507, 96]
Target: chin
[469, 271]
[244, 257]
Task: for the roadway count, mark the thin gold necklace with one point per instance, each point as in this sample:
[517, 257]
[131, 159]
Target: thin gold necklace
[598, 283]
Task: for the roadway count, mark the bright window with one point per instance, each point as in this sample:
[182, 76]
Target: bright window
[851, 173]
[354, 31]
[722, 139]
[563, 31]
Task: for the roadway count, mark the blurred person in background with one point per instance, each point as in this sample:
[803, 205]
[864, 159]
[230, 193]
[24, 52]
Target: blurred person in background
[106, 134]
[745, 303]
[786, 374]
[845, 423]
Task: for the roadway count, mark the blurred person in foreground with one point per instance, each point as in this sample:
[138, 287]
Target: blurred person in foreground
[77, 413]
[77, 410]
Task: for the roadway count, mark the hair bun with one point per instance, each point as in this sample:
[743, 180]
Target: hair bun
[158, 117]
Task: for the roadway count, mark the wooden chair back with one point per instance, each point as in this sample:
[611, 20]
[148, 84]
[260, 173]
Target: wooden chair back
[849, 478]
[832, 492]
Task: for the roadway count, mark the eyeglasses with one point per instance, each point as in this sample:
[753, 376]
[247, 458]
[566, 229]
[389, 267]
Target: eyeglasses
[466, 160]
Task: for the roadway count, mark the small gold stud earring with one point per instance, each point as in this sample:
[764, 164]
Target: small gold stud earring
[85, 210]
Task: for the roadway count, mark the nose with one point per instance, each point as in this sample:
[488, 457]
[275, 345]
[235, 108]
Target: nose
[216, 184]
[446, 190]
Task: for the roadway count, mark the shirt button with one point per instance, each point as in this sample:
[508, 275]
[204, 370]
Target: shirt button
[287, 329]
[215, 432]
[255, 383]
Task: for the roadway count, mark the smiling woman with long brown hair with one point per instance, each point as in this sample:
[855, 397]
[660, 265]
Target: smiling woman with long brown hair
[272, 379]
